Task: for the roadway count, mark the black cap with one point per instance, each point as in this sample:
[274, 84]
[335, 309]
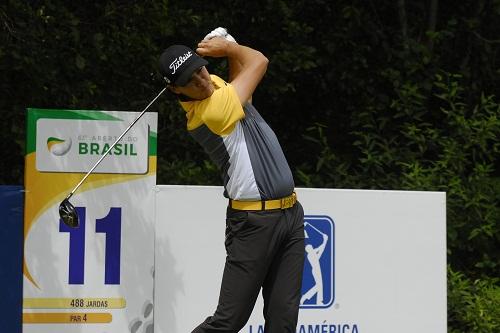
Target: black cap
[177, 64]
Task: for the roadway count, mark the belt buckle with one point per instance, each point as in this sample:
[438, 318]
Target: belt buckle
[287, 202]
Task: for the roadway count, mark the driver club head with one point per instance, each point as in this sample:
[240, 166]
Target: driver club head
[68, 214]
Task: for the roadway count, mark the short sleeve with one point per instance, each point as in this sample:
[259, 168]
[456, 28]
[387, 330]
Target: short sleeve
[220, 112]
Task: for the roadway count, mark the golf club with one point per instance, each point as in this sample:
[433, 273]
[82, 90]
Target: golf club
[67, 211]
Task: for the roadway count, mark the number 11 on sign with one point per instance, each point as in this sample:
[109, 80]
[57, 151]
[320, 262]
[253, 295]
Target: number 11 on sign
[110, 225]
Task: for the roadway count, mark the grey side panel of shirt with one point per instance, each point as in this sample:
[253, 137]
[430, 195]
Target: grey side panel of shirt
[214, 147]
[272, 173]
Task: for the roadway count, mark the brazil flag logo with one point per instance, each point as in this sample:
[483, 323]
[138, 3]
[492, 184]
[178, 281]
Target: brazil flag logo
[58, 146]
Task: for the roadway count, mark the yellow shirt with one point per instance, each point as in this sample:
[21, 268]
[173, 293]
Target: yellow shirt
[220, 112]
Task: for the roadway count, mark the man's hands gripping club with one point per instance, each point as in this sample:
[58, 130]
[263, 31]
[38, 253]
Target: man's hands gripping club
[247, 66]
[220, 32]
[216, 47]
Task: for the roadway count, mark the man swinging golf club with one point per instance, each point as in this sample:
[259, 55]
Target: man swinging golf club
[264, 225]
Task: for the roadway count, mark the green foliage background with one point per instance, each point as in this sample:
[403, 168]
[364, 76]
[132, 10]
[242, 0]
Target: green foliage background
[362, 94]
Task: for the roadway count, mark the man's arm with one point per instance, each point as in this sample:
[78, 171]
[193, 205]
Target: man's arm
[253, 64]
[235, 68]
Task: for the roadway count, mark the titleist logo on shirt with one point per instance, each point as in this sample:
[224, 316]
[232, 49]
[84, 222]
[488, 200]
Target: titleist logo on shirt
[179, 61]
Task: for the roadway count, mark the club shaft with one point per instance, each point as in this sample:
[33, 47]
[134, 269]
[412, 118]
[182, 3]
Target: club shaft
[113, 145]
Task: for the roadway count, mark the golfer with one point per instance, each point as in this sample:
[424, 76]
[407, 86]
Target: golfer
[264, 225]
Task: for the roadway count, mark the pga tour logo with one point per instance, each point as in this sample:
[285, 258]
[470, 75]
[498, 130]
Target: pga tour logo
[318, 276]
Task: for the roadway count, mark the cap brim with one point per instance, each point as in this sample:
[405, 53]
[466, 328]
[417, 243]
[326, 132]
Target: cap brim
[184, 78]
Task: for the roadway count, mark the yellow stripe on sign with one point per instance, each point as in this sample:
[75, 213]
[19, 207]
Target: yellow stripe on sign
[74, 303]
[67, 318]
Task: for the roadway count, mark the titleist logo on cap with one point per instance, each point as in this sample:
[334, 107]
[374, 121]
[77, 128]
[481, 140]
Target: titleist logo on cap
[179, 61]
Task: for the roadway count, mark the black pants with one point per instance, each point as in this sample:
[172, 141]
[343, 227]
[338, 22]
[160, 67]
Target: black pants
[265, 249]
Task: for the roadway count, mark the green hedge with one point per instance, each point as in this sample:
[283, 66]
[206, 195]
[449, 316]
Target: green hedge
[474, 305]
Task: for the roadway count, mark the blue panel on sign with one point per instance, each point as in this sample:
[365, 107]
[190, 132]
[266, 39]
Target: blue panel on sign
[11, 252]
[318, 285]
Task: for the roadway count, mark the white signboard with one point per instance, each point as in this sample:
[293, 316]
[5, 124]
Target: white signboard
[65, 145]
[382, 263]
[99, 277]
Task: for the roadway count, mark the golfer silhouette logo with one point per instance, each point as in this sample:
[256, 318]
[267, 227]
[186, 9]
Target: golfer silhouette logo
[317, 283]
